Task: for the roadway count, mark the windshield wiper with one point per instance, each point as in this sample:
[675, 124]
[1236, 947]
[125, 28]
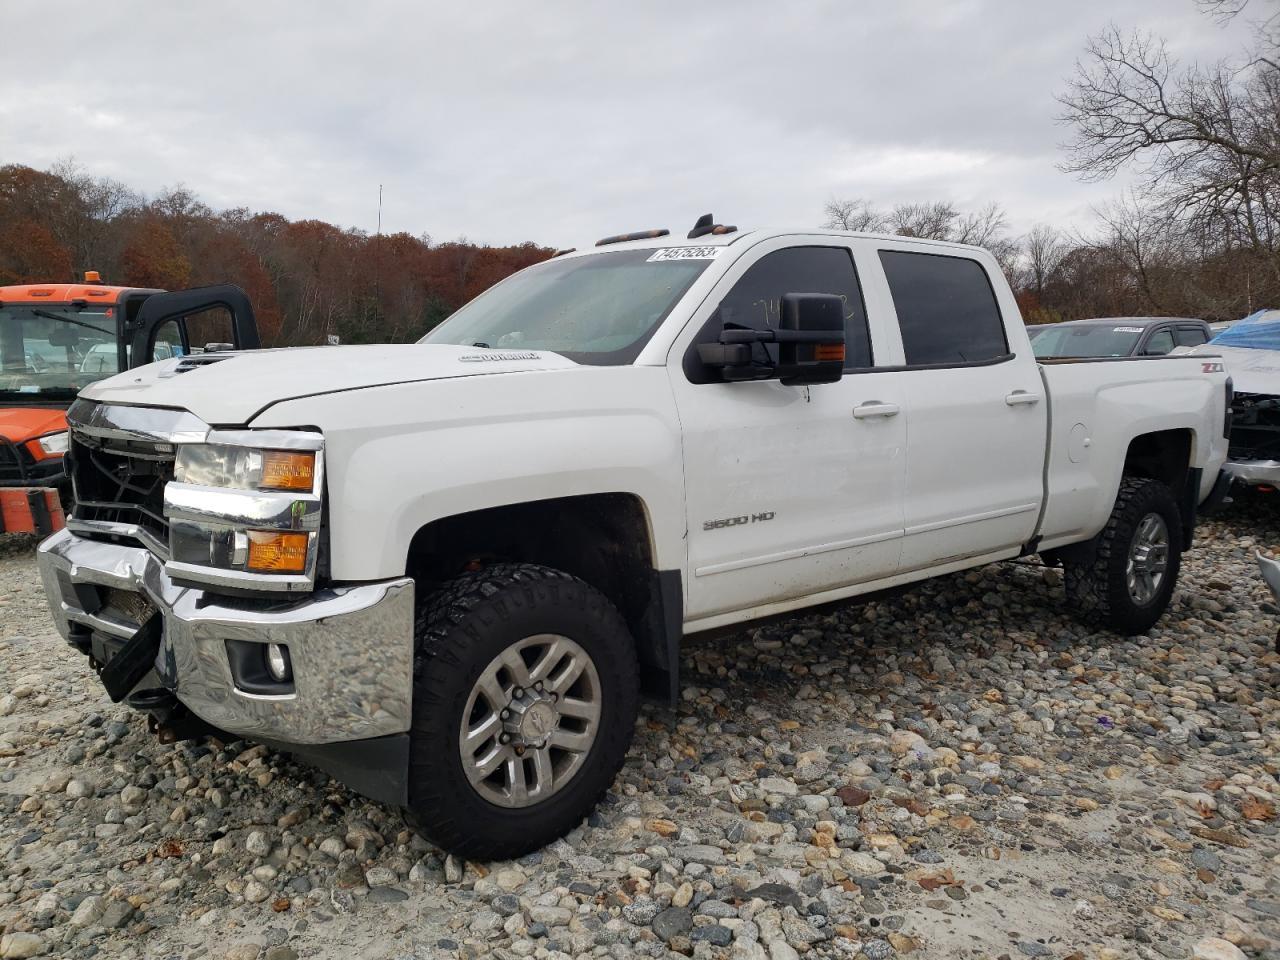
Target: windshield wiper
[79, 323]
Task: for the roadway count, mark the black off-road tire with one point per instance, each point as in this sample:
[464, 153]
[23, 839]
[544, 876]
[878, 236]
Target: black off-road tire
[459, 630]
[1097, 589]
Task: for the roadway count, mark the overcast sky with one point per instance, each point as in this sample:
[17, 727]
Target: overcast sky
[561, 122]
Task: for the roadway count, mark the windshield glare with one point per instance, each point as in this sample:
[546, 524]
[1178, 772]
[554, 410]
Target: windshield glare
[599, 309]
[1093, 340]
[54, 349]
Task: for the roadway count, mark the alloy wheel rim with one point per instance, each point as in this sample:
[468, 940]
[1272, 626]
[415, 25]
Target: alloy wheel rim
[530, 720]
[1148, 559]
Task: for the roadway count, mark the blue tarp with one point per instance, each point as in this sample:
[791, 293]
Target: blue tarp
[1258, 331]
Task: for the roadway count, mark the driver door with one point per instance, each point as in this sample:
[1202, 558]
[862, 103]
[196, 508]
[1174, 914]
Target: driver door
[789, 492]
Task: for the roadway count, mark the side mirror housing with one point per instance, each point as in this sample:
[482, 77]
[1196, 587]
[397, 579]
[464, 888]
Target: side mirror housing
[810, 339]
[811, 347]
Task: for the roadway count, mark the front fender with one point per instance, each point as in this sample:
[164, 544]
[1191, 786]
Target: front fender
[403, 456]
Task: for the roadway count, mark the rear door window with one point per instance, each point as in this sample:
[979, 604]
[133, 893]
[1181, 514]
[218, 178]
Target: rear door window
[1191, 336]
[947, 310]
[1161, 342]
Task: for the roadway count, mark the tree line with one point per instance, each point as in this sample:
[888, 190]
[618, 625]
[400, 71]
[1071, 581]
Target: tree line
[307, 278]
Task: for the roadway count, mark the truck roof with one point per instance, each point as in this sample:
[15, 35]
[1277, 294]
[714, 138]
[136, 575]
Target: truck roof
[1127, 321]
[63, 293]
[726, 239]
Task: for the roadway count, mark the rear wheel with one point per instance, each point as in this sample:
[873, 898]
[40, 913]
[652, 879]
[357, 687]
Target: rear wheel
[1127, 584]
[525, 696]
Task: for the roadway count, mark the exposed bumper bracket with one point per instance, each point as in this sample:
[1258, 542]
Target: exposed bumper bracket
[134, 660]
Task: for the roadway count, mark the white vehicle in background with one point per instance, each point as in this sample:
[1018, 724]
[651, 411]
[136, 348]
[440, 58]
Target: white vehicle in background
[1250, 348]
[445, 571]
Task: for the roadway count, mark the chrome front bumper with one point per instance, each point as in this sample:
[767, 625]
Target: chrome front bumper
[351, 648]
[1254, 471]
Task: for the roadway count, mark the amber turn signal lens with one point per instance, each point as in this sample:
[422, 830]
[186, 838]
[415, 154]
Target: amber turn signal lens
[288, 470]
[272, 551]
[829, 352]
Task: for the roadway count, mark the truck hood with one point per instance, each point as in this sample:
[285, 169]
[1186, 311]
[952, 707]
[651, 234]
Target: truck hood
[20, 424]
[1251, 371]
[232, 388]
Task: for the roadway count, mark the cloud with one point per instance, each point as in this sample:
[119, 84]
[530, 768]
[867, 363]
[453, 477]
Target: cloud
[561, 122]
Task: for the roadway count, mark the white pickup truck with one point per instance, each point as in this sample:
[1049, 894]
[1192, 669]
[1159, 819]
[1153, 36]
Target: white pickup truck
[445, 571]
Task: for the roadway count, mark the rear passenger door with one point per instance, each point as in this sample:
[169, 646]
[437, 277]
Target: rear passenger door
[976, 413]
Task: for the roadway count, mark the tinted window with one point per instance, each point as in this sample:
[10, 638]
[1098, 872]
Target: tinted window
[755, 301]
[1086, 340]
[946, 308]
[1161, 342]
[1191, 336]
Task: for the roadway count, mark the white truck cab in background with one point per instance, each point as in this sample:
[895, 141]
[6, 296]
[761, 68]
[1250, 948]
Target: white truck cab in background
[444, 571]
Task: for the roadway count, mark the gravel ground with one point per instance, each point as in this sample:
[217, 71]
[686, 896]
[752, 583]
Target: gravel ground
[961, 772]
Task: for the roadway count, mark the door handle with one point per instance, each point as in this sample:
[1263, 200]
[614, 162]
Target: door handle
[1020, 397]
[874, 408]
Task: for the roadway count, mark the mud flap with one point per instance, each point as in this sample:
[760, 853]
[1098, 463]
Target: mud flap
[134, 660]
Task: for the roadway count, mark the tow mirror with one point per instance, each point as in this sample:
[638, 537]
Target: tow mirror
[813, 348]
[810, 339]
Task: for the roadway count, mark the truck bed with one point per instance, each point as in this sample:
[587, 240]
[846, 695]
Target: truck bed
[1097, 405]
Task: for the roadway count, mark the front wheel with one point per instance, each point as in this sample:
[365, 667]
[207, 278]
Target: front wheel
[525, 698]
[1127, 584]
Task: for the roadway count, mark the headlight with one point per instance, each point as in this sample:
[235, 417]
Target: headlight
[54, 445]
[244, 509]
[245, 468]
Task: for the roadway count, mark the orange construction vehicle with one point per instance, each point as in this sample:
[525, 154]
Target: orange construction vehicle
[55, 338]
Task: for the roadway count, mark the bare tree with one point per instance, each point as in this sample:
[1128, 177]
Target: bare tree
[856, 215]
[982, 228]
[1206, 139]
[934, 220]
[1044, 249]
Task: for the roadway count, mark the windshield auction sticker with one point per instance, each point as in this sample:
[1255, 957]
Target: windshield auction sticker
[1126, 329]
[685, 253]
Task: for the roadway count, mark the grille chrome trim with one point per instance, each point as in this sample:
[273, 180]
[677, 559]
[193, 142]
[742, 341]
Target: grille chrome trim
[130, 531]
[148, 424]
[122, 451]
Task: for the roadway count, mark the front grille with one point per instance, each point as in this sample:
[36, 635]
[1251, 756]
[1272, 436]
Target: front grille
[121, 481]
[14, 462]
[1255, 427]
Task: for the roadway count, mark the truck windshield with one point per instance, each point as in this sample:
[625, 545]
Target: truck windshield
[599, 309]
[53, 350]
[1093, 340]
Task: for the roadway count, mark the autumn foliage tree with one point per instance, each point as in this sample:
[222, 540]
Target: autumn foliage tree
[307, 279]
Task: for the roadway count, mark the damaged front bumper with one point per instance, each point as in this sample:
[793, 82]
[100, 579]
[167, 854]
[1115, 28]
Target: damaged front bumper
[347, 704]
[1254, 472]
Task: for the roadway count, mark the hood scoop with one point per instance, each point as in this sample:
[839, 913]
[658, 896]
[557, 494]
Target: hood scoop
[196, 360]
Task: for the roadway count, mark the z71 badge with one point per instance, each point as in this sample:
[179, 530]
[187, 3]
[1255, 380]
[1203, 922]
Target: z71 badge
[737, 521]
[1212, 366]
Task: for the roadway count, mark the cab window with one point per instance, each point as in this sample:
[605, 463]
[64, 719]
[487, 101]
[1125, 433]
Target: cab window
[1191, 336]
[1160, 343]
